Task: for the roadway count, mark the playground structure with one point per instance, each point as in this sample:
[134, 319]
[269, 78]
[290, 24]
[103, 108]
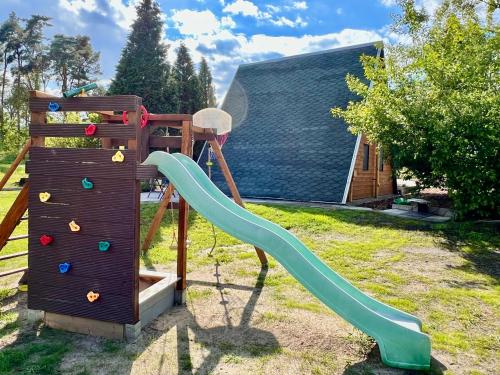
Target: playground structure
[84, 216]
[84, 245]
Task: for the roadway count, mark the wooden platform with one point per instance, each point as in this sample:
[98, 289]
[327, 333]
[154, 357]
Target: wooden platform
[157, 295]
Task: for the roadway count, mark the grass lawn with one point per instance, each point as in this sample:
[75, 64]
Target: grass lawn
[240, 319]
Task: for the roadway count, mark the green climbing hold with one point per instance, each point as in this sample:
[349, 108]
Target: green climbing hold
[87, 184]
[209, 163]
[104, 245]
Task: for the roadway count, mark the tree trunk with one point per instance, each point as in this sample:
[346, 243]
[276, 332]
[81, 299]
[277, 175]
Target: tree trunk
[18, 110]
[4, 75]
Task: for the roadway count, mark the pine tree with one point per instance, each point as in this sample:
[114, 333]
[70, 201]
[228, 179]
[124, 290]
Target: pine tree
[207, 95]
[187, 85]
[143, 69]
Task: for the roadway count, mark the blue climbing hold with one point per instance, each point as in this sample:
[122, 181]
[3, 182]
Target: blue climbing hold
[64, 267]
[104, 245]
[53, 107]
[87, 184]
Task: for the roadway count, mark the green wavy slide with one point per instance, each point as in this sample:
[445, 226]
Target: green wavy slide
[398, 334]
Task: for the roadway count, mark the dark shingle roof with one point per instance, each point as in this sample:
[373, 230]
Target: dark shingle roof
[285, 143]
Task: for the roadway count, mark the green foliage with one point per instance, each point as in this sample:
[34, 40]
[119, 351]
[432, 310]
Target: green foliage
[434, 103]
[143, 69]
[187, 89]
[207, 91]
[74, 61]
[72, 142]
[32, 64]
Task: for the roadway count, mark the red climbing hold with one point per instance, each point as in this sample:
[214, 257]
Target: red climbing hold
[45, 239]
[144, 117]
[90, 130]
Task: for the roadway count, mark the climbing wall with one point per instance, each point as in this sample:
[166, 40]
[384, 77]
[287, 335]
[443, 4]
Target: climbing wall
[84, 217]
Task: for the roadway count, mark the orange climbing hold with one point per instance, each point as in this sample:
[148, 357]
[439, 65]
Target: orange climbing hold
[44, 197]
[118, 157]
[74, 226]
[92, 296]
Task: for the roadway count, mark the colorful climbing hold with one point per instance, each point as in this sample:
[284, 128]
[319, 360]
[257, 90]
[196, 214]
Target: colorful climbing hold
[44, 197]
[53, 106]
[104, 245]
[92, 296]
[118, 157]
[46, 240]
[74, 226]
[64, 267]
[87, 184]
[90, 130]
[209, 163]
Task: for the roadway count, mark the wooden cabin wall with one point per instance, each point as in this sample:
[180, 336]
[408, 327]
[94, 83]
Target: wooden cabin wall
[363, 184]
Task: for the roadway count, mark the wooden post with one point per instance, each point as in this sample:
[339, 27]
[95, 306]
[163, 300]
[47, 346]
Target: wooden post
[135, 144]
[14, 215]
[16, 163]
[377, 172]
[155, 224]
[232, 187]
[186, 149]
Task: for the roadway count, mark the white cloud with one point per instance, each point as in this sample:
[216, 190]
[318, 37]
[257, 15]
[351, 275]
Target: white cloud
[75, 6]
[283, 21]
[123, 15]
[191, 22]
[249, 9]
[388, 3]
[273, 8]
[243, 7]
[228, 22]
[225, 50]
[428, 5]
[300, 5]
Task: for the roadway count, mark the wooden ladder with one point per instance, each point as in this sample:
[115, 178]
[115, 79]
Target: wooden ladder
[15, 214]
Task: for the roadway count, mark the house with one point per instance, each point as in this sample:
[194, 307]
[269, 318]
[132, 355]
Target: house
[286, 145]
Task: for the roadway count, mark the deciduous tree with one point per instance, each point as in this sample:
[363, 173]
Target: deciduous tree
[434, 102]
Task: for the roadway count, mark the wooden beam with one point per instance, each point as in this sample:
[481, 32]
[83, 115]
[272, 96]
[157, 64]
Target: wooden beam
[144, 172]
[155, 224]
[89, 103]
[164, 142]
[14, 215]
[16, 163]
[104, 130]
[134, 119]
[14, 255]
[232, 188]
[170, 117]
[377, 174]
[11, 272]
[186, 149]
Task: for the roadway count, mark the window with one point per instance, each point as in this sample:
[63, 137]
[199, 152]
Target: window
[366, 157]
[381, 160]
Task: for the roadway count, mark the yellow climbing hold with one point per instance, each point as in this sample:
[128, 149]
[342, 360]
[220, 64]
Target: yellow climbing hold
[92, 296]
[74, 226]
[44, 197]
[118, 157]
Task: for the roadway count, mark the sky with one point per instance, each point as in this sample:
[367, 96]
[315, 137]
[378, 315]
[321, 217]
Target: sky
[227, 32]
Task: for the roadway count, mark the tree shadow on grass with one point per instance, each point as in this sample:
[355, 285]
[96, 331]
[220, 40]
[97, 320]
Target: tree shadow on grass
[241, 340]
